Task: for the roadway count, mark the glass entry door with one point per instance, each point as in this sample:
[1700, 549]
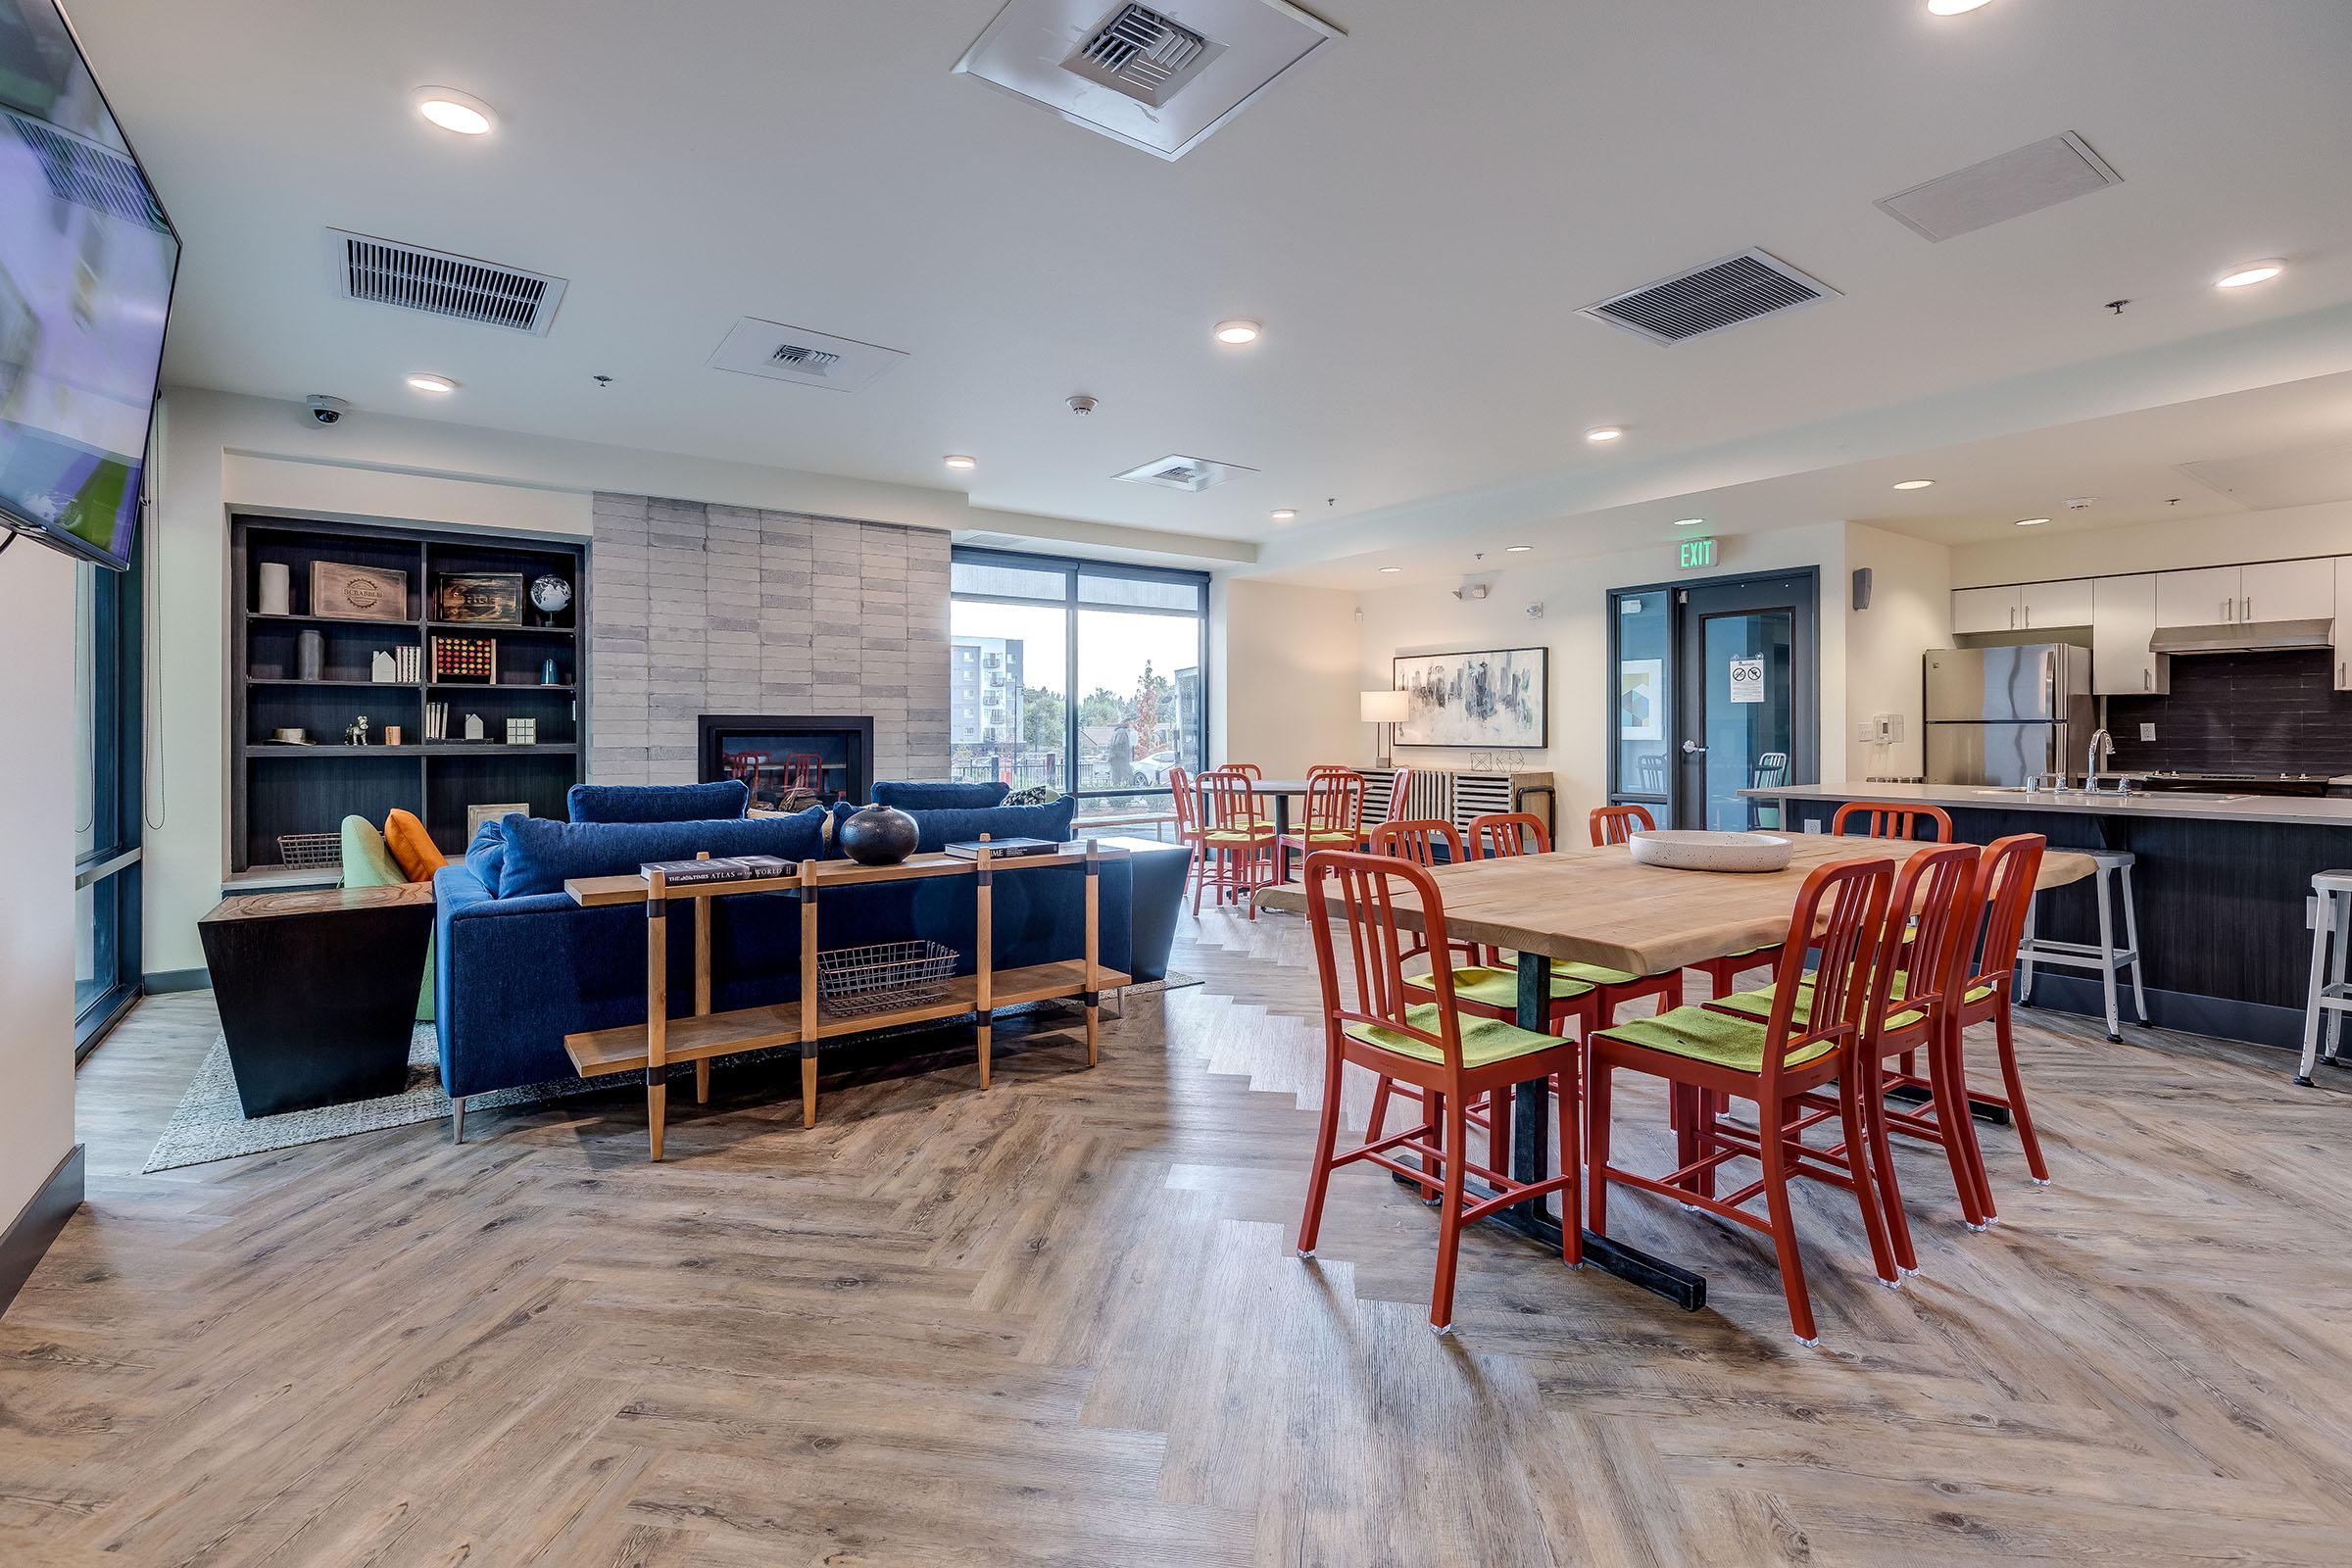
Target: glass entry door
[1716, 689]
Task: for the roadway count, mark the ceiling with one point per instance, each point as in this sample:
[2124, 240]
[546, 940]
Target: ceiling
[1416, 213]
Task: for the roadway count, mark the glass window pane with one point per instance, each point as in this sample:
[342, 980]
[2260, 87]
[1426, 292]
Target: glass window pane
[1143, 593]
[1000, 581]
[1644, 716]
[86, 709]
[1139, 714]
[1008, 693]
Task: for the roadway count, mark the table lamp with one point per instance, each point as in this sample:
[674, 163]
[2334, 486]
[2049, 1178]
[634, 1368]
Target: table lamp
[1384, 708]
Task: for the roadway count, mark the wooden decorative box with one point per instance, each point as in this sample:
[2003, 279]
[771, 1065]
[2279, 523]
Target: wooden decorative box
[341, 592]
[481, 598]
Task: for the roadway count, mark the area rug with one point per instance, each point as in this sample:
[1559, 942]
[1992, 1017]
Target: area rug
[210, 1124]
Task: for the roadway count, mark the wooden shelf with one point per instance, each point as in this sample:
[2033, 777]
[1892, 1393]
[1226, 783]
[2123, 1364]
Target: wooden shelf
[435, 749]
[596, 891]
[291, 680]
[485, 629]
[496, 686]
[405, 624]
[724, 1034]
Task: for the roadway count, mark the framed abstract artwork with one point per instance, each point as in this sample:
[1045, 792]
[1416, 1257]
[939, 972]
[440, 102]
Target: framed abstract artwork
[1495, 698]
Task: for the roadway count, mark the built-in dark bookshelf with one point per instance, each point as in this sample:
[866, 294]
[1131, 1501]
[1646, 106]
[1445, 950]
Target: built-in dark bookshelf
[277, 788]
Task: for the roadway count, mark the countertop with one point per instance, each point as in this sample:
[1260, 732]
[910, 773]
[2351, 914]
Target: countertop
[2283, 811]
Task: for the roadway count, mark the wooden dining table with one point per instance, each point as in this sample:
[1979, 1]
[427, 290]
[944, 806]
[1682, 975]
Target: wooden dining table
[1596, 906]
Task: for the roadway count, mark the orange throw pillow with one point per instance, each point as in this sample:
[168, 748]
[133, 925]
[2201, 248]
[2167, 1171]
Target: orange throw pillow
[412, 846]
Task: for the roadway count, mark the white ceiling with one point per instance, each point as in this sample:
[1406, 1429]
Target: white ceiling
[1416, 213]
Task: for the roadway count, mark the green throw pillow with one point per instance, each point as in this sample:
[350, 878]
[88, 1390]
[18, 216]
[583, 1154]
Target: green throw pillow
[368, 863]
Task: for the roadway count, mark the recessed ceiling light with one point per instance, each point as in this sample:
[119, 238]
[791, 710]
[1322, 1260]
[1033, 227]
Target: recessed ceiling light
[1913, 484]
[1517, 550]
[1605, 433]
[432, 383]
[1387, 570]
[1689, 522]
[2247, 273]
[455, 110]
[2031, 523]
[1237, 332]
[1954, 7]
[1284, 513]
[960, 461]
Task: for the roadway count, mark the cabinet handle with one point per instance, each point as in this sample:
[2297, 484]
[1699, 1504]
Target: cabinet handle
[2246, 608]
[2013, 617]
[2147, 679]
[2028, 614]
[2226, 603]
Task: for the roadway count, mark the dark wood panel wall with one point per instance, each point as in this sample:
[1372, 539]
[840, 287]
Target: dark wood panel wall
[2239, 713]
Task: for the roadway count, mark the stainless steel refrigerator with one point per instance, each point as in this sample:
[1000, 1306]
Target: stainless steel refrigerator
[1997, 715]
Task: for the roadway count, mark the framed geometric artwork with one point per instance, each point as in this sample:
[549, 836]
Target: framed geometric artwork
[1494, 698]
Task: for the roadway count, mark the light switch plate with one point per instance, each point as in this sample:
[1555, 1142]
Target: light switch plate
[2148, 732]
[1866, 730]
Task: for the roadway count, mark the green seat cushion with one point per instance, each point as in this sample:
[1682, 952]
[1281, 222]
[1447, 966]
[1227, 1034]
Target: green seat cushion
[1260, 835]
[1497, 985]
[1330, 835]
[1758, 1002]
[1721, 1039]
[1593, 974]
[1485, 1040]
[368, 863]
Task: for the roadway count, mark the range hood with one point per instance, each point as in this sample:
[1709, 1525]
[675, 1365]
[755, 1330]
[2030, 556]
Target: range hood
[2243, 637]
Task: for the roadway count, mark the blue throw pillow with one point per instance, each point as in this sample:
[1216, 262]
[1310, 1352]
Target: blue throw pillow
[1052, 822]
[924, 795]
[658, 803]
[486, 855]
[543, 855]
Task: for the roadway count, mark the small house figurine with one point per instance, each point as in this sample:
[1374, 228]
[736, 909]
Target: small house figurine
[380, 668]
[474, 727]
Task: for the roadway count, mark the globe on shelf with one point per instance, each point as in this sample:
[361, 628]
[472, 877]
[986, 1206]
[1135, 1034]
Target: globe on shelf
[550, 595]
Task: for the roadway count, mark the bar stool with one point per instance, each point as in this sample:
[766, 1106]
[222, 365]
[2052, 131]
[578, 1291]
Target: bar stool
[2106, 958]
[2330, 939]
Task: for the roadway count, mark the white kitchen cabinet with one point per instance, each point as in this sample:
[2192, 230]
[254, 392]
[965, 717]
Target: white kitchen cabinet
[2343, 621]
[2055, 604]
[2286, 590]
[1985, 609]
[2207, 597]
[2123, 618]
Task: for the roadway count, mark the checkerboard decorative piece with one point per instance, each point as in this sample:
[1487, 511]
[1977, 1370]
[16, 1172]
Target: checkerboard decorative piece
[523, 732]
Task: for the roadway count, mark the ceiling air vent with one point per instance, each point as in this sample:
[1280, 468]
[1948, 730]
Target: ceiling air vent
[781, 353]
[1737, 288]
[2011, 185]
[88, 174]
[1143, 54]
[385, 271]
[1160, 76]
[1192, 475]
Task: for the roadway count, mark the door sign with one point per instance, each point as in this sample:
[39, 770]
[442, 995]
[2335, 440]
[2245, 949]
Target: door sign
[1747, 679]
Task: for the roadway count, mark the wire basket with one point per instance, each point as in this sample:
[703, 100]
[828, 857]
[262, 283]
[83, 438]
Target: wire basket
[310, 852]
[883, 975]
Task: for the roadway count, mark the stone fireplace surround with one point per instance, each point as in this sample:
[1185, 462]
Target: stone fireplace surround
[699, 608]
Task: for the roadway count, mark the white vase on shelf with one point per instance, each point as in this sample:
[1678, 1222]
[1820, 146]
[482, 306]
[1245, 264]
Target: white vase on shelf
[276, 595]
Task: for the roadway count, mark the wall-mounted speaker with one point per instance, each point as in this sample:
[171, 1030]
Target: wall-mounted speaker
[1861, 587]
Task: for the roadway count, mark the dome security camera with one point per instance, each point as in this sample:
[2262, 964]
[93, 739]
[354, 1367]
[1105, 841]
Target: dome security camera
[325, 409]
[1082, 404]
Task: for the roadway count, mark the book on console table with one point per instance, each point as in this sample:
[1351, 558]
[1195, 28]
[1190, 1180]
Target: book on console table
[1001, 848]
[729, 869]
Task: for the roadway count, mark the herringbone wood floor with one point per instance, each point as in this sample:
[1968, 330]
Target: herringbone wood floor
[1061, 1323]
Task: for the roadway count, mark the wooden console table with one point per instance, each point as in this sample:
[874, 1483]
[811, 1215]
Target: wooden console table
[661, 1040]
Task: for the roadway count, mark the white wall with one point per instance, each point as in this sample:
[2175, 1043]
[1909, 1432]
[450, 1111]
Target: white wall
[220, 450]
[1910, 611]
[1290, 663]
[1425, 618]
[37, 897]
[2164, 546]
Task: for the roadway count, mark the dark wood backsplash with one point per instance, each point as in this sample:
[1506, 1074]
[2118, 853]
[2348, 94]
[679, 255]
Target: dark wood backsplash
[2240, 713]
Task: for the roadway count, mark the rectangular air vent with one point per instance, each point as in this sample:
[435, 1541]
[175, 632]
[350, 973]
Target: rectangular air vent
[412, 277]
[1192, 475]
[1737, 288]
[1161, 78]
[2000, 189]
[781, 353]
[88, 174]
[1143, 54]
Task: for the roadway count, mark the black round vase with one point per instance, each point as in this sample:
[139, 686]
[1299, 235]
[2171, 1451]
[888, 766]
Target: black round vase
[878, 835]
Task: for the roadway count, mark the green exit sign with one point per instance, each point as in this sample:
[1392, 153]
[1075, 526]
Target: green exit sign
[1697, 553]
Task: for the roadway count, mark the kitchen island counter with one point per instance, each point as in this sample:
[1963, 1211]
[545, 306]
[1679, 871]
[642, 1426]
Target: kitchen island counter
[2220, 886]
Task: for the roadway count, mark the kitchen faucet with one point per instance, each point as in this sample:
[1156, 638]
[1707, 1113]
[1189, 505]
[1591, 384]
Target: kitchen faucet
[2102, 747]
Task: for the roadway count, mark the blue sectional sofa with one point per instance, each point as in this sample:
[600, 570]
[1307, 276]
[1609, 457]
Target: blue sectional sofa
[518, 965]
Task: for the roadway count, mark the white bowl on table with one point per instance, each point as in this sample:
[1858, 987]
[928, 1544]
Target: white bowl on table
[1691, 850]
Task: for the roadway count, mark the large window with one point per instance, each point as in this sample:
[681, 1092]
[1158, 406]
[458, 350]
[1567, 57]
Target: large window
[107, 729]
[1077, 675]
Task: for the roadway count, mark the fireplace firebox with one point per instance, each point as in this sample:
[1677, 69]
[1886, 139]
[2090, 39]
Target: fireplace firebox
[790, 760]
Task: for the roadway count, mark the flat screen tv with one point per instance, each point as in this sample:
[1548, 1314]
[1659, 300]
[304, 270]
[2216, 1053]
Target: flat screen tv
[86, 263]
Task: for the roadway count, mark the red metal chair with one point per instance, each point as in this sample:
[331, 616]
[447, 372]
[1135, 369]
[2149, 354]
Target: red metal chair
[1335, 815]
[2010, 868]
[1184, 802]
[1401, 790]
[1237, 841]
[1894, 819]
[1614, 824]
[1617, 824]
[1773, 1062]
[1449, 1057]
[744, 765]
[800, 772]
[1417, 844]
[1924, 943]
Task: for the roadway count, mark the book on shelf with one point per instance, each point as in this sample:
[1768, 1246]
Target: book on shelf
[718, 868]
[1001, 848]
